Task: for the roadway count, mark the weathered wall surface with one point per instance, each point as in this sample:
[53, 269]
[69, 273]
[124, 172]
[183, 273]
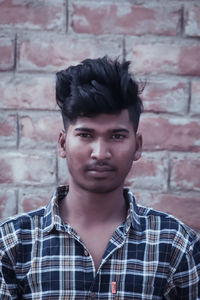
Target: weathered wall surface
[161, 38]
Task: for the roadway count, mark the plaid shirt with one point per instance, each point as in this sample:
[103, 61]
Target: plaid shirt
[150, 256]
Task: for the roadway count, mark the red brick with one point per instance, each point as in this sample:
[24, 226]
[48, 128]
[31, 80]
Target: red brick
[59, 52]
[164, 58]
[195, 98]
[8, 129]
[192, 20]
[6, 54]
[27, 169]
[31, 199]
[166, 96]
[150, 172]
[40, 130]
[185, 172]
[27, 92]
[172, 133]
[8, 204]
[184, 207]
[105, 18]
[35, 16]
[146, 198]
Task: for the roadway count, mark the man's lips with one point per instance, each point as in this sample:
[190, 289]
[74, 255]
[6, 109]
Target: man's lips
[100, 168]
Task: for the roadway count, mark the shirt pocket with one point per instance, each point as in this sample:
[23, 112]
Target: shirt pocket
[138, 291]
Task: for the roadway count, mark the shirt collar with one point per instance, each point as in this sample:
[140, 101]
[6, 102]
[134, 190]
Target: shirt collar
[52, 217]
[53, 220]
[133, 216]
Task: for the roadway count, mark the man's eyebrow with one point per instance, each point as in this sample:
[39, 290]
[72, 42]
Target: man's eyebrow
[120, 130]
[84, 129]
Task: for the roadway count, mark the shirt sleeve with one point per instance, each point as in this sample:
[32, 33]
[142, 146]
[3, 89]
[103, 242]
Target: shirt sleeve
[8, 283]
[185, 283]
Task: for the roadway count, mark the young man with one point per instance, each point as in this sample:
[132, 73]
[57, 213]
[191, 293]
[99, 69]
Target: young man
[93, 241]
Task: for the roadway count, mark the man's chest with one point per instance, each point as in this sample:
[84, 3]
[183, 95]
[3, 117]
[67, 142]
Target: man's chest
[63, 268]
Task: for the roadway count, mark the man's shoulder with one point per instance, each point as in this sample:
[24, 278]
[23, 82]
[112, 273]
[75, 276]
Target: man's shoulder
[20, 231]
[152, 219]
[22, 221]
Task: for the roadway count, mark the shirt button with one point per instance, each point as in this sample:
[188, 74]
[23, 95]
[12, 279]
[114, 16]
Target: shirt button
[86, 252]
[92, 295]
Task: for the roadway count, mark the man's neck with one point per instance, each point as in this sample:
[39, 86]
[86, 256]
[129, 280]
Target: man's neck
[89, 208]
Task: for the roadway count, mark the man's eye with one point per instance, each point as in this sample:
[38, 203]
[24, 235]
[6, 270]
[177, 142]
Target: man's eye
[85, 135]
[118, 136]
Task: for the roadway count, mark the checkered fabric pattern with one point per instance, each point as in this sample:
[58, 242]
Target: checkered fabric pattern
[150, 256]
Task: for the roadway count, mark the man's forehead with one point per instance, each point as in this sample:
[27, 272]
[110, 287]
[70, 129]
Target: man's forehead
[120, 119]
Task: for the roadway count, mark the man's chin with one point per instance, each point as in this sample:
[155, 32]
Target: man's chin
[100, 188]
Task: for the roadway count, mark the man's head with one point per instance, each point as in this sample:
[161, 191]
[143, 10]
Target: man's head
[97, 86]
[101, 107]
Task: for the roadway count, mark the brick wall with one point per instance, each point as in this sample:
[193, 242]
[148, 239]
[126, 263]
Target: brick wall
[161, 38]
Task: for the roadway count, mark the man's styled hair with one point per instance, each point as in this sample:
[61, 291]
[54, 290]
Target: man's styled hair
[97, 86]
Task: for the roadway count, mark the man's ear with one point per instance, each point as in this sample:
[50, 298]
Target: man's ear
[61, 144]
[138, 151]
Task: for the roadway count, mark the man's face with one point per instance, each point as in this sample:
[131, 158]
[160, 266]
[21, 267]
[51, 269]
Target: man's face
[100, 151]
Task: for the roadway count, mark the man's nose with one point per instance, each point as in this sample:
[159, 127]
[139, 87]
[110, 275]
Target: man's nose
[100, 150]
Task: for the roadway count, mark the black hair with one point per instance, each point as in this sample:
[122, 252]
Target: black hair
[98, 86]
